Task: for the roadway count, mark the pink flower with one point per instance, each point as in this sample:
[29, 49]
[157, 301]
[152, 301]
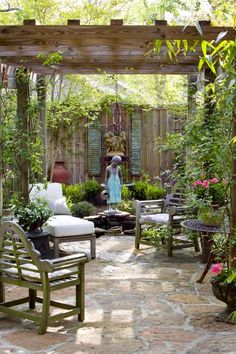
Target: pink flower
[214, 180]
[205, 183]
[197, 183]
[225, 181]
[216, 268]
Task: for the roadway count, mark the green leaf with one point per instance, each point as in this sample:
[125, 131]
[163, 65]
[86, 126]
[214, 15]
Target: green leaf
[200, 64]
[193, 47]
[198, 27]
[185, 43]
[170, 55]
[170, 46]
[220, 36]
[157, 45]
[232, 82]
[204, 48]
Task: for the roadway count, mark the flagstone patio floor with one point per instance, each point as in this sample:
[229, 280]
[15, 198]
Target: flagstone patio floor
[136, 302]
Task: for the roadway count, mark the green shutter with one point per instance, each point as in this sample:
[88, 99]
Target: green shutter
[94, 151]
[135, 159]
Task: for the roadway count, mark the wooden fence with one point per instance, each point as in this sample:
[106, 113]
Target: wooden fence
[83, 150]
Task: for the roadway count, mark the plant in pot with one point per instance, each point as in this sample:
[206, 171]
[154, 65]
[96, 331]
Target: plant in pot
[33, 215]
[210, 199]
[224, 277]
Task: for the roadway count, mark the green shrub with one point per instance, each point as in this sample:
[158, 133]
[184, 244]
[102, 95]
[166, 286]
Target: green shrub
[82, 209]
[154, 192]
[73, 193]
[126, 194]
[144, 190]
[127, 205]
[140, 189]
[91, 189]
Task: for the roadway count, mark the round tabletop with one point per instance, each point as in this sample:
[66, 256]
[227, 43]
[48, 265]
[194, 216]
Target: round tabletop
[197, 225]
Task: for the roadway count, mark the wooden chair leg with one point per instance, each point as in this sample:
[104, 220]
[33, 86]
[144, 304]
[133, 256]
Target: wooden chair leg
[170, 245]
[32, 298]
[80, 301]
[2, 292]
[137, 236]
[45, 310]
[93, 246]
[56, 247]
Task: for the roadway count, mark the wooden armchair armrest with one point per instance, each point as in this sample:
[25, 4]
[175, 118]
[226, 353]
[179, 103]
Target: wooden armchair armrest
[69, 261]
[178, 210]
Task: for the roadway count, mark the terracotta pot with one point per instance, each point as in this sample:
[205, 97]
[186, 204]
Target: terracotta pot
[60, 173]
[227, 294]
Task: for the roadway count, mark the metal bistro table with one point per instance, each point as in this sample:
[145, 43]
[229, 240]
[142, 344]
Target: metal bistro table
[206, 240]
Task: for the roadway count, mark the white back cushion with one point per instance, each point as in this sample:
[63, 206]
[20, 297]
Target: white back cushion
[53, 191]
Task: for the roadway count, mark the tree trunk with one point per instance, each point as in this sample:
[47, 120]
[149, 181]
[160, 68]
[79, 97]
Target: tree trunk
[22, 125]
[41, 92]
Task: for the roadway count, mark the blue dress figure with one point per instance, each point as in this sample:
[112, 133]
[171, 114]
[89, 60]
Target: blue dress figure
[113, 182]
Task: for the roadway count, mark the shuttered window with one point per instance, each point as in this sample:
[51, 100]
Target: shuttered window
[94, 151]
[135, 158]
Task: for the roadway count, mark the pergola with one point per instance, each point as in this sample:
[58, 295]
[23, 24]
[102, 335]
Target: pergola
[114, 48]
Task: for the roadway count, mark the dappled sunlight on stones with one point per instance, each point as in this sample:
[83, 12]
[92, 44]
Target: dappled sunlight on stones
[187, 298]
[30, 340]
[204, 321]
[137, 302]
[219, 343]
[201, 309]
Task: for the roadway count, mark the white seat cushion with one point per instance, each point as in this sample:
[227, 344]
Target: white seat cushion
[161, 218]
[67, 225]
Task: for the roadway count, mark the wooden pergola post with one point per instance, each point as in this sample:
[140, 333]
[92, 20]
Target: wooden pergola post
[1, 157]
[233, 192]
[192, 89]
[22, 125]
[42, 92]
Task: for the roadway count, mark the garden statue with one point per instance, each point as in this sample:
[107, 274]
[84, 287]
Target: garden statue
[115, 144]
[113, 182]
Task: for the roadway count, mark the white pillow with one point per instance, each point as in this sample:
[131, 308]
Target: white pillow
[59, 206]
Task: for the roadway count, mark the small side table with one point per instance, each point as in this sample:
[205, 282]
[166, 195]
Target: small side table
[41, 243]
[206, 241]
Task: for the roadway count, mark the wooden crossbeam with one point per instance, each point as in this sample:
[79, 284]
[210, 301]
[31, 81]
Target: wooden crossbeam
[114, 48]
[148, 33]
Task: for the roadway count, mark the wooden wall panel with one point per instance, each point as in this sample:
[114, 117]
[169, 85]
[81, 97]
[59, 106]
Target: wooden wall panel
[141, 150]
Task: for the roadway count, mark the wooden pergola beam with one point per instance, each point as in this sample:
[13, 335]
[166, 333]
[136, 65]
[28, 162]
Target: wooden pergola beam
[114, 48]
[106, 32]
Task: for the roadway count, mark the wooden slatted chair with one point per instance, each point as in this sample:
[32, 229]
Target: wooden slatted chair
[169, 212]
[21, 265]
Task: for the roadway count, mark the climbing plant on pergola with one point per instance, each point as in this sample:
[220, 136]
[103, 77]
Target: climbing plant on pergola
[114, 49]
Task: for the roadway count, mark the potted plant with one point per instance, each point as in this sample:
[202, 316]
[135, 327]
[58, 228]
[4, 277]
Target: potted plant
[33, 215]
[213, 190]
[210, 216]
[224, 278]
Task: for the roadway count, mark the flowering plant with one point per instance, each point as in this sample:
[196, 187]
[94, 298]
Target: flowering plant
[222, 274]
[213, 190]
[223, 271]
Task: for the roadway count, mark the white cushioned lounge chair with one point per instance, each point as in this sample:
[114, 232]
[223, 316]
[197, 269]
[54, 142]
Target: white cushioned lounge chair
[62, 226]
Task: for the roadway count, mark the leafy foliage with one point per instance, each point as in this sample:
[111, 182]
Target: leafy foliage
[33, 215]
[82, 209]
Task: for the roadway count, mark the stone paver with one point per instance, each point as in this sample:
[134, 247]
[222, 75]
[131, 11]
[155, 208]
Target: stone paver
[136, 302]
